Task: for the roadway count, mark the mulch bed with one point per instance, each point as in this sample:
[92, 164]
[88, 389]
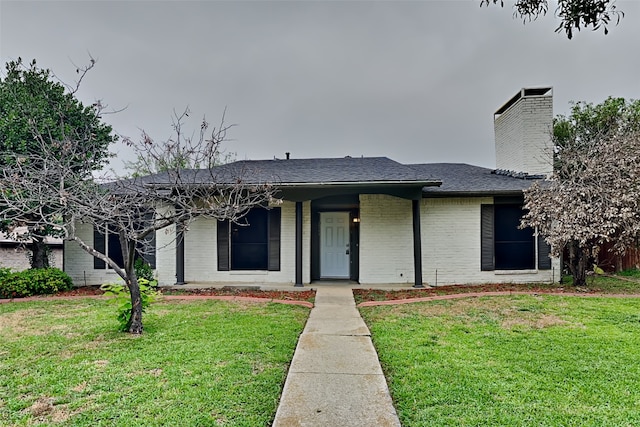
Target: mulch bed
[308, 295]
[362, 295]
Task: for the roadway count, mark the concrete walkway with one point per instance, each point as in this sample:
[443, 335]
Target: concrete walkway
[335, 378]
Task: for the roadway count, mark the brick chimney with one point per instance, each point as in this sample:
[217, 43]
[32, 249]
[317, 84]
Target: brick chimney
[523, 129]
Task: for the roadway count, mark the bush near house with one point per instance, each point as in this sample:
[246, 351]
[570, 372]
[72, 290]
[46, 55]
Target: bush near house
[33, 282]
[4, 272]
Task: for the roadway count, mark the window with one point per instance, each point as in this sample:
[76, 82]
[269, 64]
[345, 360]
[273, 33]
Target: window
[254, 246]
[514, 248]
[107, 241]
[504, 246]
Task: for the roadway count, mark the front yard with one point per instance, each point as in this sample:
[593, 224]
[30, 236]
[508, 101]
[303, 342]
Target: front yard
[198, 363]
[545, 360]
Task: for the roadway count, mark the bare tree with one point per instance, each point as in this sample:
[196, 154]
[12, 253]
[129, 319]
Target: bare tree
[182, 157]
[131, 208]
[593, 196]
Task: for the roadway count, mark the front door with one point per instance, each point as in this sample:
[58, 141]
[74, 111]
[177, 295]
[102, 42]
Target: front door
[334, 245]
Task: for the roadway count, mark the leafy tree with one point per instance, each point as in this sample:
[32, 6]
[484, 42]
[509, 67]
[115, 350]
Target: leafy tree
[36, 111]
[131, 208]
[593, 195]
[573, 14]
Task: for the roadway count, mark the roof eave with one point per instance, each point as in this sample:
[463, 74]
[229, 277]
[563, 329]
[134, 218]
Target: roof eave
[422, 183]
[487, 193]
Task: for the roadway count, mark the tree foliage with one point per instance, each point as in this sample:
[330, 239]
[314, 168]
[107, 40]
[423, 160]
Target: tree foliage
[37, 111]
[593, 195]
[573, 14]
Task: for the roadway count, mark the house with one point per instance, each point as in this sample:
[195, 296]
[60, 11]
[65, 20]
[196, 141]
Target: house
[372, 220]
[15, 254]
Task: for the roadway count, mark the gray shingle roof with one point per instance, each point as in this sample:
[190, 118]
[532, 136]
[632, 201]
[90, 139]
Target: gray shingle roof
[457, 179]
[315, 171]
[464, 179]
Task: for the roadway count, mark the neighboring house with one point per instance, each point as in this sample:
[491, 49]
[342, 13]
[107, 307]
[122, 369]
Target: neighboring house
[372, 220]
[15, 254]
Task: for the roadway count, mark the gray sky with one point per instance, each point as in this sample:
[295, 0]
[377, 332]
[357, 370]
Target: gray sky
[415, 81]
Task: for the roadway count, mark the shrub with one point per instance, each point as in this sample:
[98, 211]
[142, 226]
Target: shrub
[34, 282]
[4, 272]
[143, 270]
[148, 294]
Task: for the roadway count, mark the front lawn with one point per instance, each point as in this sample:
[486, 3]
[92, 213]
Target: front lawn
[543, 360]
[197, 363]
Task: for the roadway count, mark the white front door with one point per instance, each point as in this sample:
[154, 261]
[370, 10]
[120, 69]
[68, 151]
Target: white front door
[334, 245]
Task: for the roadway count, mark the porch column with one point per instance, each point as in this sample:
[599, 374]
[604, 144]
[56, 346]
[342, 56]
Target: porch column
[179, 255]
[299, 244]
[417, 244]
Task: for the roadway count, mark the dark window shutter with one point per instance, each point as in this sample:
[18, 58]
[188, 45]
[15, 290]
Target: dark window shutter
[149, 246]
[223, 245]
[98, 245]
[544, 250]
[274, 239]
[487, 262]
[114, 249]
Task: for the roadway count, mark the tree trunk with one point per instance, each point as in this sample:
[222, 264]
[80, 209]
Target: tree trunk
[578, 262]
[39, 253]
[136, 303]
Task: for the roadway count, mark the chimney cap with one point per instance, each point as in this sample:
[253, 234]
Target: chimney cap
[524, 93]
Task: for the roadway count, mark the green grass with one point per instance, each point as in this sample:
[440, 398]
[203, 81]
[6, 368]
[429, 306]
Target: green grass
[198, 363]
[624, 282]
[512, 361]
[630, 273]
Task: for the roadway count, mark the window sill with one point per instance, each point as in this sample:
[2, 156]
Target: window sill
[509, 272]
[248, 272]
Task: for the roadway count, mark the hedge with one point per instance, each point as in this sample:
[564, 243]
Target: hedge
[33, 282]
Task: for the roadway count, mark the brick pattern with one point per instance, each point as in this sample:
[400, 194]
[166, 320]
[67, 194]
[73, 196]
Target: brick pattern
[201, 253]
[523, 136]
[451, 245]
[450, 248]
[386, 239]
[79, 265]
[17, 257]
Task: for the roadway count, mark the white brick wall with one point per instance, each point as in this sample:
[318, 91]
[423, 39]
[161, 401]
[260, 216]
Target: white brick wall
[166, 253]
[523, 136]
[451, 245]
[79, 264]
[201, 257]
[17, 257]
[450, 248]
[386, 240]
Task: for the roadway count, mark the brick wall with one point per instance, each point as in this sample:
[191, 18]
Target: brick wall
[79, 264]
[451, 245]
[17, 257]
[450, 248]
[386, 239]
[201, 253]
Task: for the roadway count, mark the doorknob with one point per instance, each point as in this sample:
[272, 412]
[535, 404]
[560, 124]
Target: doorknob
[347, 253]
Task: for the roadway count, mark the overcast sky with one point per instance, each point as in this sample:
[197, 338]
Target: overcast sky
[414, 81]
